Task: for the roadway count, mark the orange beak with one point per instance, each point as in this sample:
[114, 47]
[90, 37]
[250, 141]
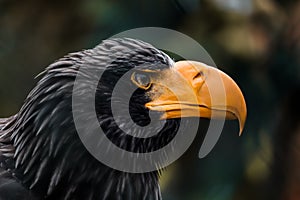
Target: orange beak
[193, 89]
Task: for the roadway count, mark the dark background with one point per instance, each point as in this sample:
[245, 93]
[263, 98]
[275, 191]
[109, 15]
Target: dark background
[257, 42]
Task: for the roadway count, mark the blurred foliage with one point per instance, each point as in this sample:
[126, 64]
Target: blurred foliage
[255, 42]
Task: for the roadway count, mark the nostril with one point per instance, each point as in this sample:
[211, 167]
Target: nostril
[198, 80]
[198, 75]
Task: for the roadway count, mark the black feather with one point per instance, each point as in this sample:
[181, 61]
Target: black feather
[41, 155]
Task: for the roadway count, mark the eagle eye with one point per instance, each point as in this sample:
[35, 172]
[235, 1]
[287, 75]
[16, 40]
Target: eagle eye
[142, 80]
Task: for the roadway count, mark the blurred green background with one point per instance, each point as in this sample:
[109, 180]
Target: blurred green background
[257, 42]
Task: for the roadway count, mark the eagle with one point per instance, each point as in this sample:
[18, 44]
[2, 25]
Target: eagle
[41, 153]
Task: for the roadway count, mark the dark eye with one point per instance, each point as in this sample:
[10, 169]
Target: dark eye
[141, 80]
